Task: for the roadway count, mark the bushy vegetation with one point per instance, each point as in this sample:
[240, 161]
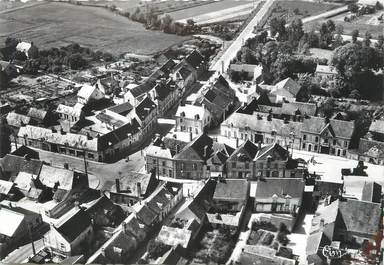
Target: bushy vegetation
[157, 249]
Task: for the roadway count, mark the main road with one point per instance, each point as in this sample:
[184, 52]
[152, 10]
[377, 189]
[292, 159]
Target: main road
[230, 53]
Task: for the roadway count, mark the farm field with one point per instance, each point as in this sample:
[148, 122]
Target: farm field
[58, 24]
[204, 9]
[362, 24]
[305, 9]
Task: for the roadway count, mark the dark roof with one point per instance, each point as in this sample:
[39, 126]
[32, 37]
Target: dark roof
[245, 152]
[304, 108]
[15, 164]
[146, 215]
[340, 128]
[226, 149]
[231, 189]
[371, 192]
[371, 148]
[360, 216]
[118, 135]
[172, 143]
[24, 150]
[122, 109]
[290, 85]
[74, 226]
[145, 107]
[167, 67]
[195, 149]
[276, 151]
[142, 88]
[194, 59]
[293, 187]
[184, 72]
[163, 90]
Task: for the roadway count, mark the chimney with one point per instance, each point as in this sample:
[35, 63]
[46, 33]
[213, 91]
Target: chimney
[61, 130]
[190, 136]
[66, 166]
[89, 136]
[322, 223]
[117, 181]
[138, 185]
[205, 151]
[27, 157]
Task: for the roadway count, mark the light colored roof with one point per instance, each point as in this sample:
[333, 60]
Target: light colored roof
[70, 139]
[157, 151]
[288, 85]
[86, 91]
[23, 180]
[5, 186]
[224, 219]
[50, 175]
[23, 46]
[244, 67]
[327, 213]
[17, 120]
[73, 111]
[10, 221]
[173, 236]
[37, 113]
[326, 69]
[190, 111]
[377, 126]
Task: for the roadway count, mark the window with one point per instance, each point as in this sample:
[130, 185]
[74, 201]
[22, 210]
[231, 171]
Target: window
[315, 147]
[235, 134]
[91, 156]
[275, 174]
[163, 163]
[326, 140]
[304, 137]
[234, 164]
[334, 142]
[345, 143]
[164, 172]
[344, 152]
[229, 133]
[29, 142]
[194, 166]
[246, 165]
[208, 168]
[241, 136]
[316, 139]
[268, 173]
[303, 145]
[154, 161]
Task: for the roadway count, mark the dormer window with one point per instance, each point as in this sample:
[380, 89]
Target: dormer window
[197, 117]
[182, 114]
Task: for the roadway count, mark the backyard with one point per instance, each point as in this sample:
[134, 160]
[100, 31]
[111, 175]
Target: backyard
[93, 27]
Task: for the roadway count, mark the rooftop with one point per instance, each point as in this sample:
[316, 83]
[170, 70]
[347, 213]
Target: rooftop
[231, 189]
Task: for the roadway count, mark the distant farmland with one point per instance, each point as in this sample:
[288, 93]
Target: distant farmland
[58, 24]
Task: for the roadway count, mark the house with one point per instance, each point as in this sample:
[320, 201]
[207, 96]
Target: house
[38, 116]
[216, 164]
[133, 187]
[173, 236]
[103, 212]
[71, 114]
[134, 226]
[262, 128]
[349, 221]
[11, 165]
[17, 120]
[30, 186]
[107, 85]
[89, 94]
[165, 95]
[240, 162]
[230, 195]
[17, 226]
[4, 107]
[325, 72]
[184, 77]
[371, 151]
[295, 110]
[278, 195]
[285, 90]
[327, 136]
[376, 130]
[24, 151]
[314, 248]
[360, 188]
[69, 236]
[262, 255]
[159, 156]
[7, 190]
[145, 113]
[115, 250]
[121, 109]
[249, 71]
[62, 178]
[193, 119]
[195, 62]
[24, 47]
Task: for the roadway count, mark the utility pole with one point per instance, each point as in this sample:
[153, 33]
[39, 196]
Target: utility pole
[85, 164]
[31, 238]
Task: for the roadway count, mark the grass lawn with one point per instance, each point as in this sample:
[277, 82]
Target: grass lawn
[286, 9]
[362, 24]
[199, 10]
[58, 24]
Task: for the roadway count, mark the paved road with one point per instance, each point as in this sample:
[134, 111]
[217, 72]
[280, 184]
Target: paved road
[247, 33]
[23, 253]
[327, 14]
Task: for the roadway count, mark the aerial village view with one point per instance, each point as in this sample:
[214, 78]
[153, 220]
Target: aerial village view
[189, 132]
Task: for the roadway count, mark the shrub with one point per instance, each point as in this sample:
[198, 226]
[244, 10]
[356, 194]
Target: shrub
[157, 249]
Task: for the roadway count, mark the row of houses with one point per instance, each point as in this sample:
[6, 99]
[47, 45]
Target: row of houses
[203, 157]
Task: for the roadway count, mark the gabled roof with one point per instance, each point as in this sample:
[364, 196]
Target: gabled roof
[26, 151]
[75, 225]
[49, 176]
[221, 147]
[282, 187]
[245, 152]
[377, 126]
[129, 180]
[24, 181]
[163, 90]
[275, 151]
[145, 214]
[5, 186]
[15, 164]
[38, 114]
[145, 107]
[86, 91]
[118, 135]
[315, 242]
[231, 189]
[121, 109]
[17, 120]
[316, 125]
[194, 59]
[195, 149]
[12, 219]
[173, 236]
[371, 148]
[289, 85]
[192, 112]
[371, 192]
[328, 214]
[360, 216]
[73, 111]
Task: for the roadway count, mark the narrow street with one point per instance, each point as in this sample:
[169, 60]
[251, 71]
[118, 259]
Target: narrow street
[23, 253]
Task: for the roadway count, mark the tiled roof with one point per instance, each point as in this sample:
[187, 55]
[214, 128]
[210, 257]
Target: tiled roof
[86, 91]
[73, 111]
[129, 181]
[224, 219]
[250, 68]
[75, 225]
[316, 125]
[190, 112]
[163, 90]
[231, 189]
[122, 109]
[145, 214]
[245, 152]
[315, 242]
[360, 216]
[195, 149]
[326, 69]
[371, 148]
[304, 108]
[38, 114]
[118, 135]
[328, 214]
[49, 176]
[267, 187]
[184, 72]
[142, 88]
[194, 59]
[15, 164]
[240, 120]
[289, 85]
[17, 120]
[276, 151]
[5, 186]
[145, 107]
[10, 221]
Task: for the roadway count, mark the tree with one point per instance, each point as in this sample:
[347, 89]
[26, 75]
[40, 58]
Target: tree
[4, 80]
[355, 94]
[353, 8]
[76, 61]
[380, 42]
[367, 39]
[295, 32]
[156, 249]
[355, 34]
[328, 107]
[31, 66]
[277, 26]
[5, 141]
[338, 41]
[339, 29]
[379, 6]
[11, 42]
[18, 55]
[296, 11]
[166, 22]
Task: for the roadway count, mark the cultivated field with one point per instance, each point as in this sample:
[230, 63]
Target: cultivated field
[362, 24]
[58, 24]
